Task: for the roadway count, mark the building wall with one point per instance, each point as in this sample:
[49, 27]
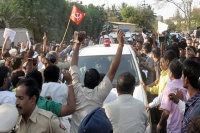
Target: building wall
[19, 37]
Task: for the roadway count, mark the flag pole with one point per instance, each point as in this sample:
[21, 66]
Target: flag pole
[66, 29]
[67, 25]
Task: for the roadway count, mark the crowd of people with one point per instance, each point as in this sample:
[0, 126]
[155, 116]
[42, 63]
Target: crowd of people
[41, 91]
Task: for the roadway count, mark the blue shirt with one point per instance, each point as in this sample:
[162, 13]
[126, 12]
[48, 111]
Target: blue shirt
[192, 109]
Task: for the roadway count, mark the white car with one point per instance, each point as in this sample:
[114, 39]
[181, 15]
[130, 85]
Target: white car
[100, 58]
[178, 35]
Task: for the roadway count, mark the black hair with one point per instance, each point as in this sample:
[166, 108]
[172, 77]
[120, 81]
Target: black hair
[102, 75]
[126, 83]
[169, 55]
[91, 79]
[51, 74]
[3, 74]
[31, 87]
[150, 40]
[16, 63]
[176, 68]
[35, 74]
[147, 47]
[191, 71]
[175, 40]
[156, 52]
[15, 77]
[182, 44]
[6, 54]
[139, 42]
[175, 49]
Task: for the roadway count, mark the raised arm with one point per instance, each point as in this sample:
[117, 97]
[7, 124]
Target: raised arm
[116, 61]
[30, 60]
[78, 38]
[71, 101]
[44, 43]
[5, 44]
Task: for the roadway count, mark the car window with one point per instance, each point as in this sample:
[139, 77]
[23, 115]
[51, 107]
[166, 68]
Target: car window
[102, 64]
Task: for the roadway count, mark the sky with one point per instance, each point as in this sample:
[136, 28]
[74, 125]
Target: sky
[167, 11]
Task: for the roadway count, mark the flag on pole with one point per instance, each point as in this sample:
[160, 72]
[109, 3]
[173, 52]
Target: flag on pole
[76, 15]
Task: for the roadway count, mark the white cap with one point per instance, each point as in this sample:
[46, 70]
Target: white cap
[35, 55]
[13, 52]
[130, 40]
[8, 117]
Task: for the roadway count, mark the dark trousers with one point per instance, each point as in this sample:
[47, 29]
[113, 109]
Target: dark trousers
[155, 115]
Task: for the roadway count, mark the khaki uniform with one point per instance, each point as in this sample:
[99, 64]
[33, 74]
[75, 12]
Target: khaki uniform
[40, 121]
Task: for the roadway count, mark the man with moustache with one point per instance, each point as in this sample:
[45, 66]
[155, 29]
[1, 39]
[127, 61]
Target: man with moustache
[32, 119]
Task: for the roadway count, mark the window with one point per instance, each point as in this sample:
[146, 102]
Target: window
[102, 64]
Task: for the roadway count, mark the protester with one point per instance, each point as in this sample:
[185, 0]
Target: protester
[171, 113]
[120, 112]
[156, 59]
[93, 94]
[57, 91]
[191, 82]
[6, 96]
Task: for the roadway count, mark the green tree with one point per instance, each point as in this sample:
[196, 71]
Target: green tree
[185, 7]
[195, 18]
[171, 24]
[141, 16]
[10, 15]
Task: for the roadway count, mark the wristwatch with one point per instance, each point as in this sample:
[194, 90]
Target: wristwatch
[76, 41]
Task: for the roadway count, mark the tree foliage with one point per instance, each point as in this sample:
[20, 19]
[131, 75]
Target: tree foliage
[51, 16]
[185, 6]
[141, 16]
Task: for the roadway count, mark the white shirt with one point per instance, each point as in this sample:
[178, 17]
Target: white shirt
[59, 94]
[7, 97]
[111, 97]
[127, 115]
[87, 99]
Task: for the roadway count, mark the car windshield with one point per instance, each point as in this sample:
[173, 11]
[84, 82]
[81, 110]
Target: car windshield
[102, 64]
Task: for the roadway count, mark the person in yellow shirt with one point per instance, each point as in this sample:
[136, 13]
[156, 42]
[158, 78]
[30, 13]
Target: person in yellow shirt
[158, 87]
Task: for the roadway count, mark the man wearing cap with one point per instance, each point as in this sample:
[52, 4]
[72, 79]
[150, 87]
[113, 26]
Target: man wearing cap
[32, 119]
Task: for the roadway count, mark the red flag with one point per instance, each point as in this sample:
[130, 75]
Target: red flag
[76, 15]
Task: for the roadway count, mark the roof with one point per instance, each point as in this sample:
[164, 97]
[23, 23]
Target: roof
[102, 50]
[122, 23]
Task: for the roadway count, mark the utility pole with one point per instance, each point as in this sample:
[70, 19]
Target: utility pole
[144, 3]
